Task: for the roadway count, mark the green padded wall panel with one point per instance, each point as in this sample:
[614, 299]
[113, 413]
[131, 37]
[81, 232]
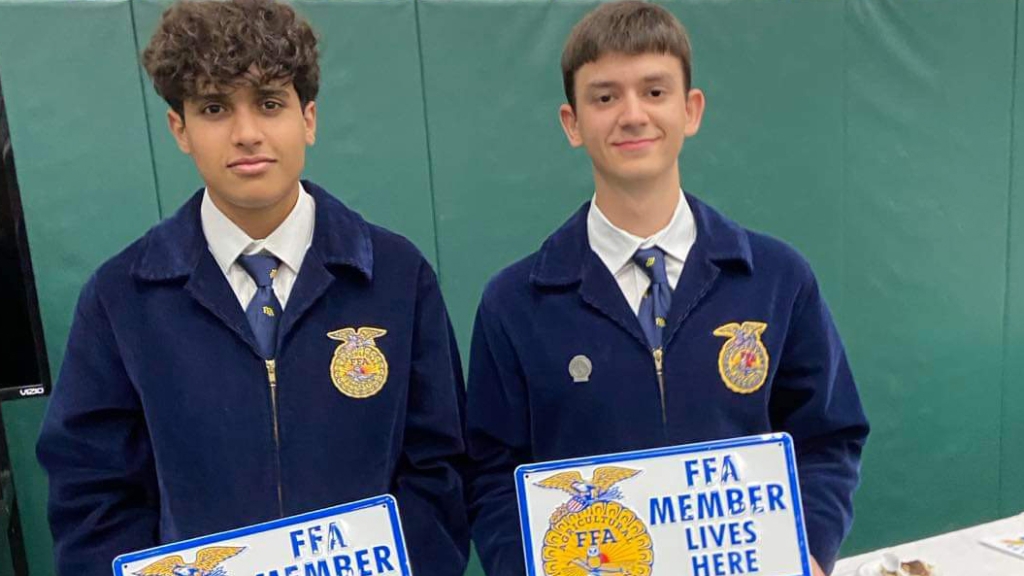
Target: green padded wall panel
[1012, 440]
[79, 135]
[175, 174]
[504, 176]
[372, 151]
[927, 146]
[371, 146]
[21, 422]
[769, 153]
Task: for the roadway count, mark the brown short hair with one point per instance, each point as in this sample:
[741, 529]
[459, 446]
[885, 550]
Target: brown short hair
[203, 43]
[630, 27]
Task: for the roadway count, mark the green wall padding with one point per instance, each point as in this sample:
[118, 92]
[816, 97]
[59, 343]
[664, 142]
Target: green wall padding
[878, 137]
[1012, 437]
[82, 152]
[504, 176]
[372, 145]
[927, 174]
[174, 173]
[80, 141]
[769, 152]
[21, 422]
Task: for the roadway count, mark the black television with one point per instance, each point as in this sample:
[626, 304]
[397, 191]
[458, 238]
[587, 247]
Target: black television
[24, 372]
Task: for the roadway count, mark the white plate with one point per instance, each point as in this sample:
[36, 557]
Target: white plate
[874, 568]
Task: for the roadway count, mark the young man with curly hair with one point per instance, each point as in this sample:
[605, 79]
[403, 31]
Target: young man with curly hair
[264, 351]
[649, 319]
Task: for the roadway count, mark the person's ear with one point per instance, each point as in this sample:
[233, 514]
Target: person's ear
[694, 111]
[309, 117]
[570, 125]
[176, 124]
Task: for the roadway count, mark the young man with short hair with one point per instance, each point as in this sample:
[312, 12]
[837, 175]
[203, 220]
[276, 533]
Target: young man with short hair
[264, 351]
[649, 319]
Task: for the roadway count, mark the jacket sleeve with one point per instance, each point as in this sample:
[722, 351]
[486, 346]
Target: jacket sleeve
[815, 400]
[427, 482]
[498, 438]
[95, 448]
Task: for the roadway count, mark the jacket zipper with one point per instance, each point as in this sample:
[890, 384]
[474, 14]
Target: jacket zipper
[659, 366]
[272, 378]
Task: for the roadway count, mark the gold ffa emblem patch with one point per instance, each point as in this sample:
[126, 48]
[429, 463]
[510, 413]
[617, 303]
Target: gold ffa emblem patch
[358, 369]
[743, 360]
[208, 563]
[592, 533]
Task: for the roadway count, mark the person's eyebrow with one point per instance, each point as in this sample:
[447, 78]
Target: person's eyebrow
[212, 95]
[657, 78]
[269, 91]
[601, 84]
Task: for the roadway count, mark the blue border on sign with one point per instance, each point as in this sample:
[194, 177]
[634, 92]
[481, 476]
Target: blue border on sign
[386, 499]
[782, 438]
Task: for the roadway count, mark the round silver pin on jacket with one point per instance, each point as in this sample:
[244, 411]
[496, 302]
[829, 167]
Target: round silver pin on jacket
[580, 368]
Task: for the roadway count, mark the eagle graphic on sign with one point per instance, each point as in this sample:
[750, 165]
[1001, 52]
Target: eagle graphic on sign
[600, 488]
[208, 561]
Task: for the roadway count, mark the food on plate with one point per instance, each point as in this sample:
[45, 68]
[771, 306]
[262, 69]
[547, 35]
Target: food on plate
[912, 568]
[917, 568]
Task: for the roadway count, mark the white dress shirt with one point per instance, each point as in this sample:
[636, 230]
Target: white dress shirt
[615, 247]
[289, 243]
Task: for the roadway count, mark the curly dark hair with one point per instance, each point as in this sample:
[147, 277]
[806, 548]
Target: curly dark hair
[212, 43]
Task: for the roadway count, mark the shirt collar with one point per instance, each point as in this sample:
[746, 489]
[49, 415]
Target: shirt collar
[615, 246]
[174, 248]
[565, 254]
[288, 242]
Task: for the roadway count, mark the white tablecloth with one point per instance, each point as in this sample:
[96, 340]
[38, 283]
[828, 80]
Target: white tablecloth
[955, 553]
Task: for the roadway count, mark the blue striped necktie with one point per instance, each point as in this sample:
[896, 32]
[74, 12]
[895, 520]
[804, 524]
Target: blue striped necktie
[658, 299]
[264, 309]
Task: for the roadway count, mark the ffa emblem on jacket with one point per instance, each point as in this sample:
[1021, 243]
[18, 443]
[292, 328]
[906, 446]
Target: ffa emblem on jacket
[208, 563]
[359, 369]
[743, 360]
[592, 534]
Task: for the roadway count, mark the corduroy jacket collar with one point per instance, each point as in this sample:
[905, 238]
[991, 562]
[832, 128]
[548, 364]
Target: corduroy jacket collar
[175, 246]
[562, 258]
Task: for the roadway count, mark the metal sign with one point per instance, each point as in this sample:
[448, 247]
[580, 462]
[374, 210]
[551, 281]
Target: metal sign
[363, 538]
[720, 508]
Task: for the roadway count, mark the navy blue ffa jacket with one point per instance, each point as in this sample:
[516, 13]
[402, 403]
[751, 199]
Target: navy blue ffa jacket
[739, 290]
[167, 424]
